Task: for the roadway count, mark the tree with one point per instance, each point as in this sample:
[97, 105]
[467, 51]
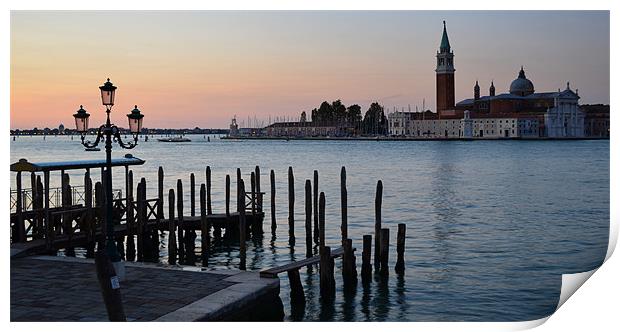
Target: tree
[354, 114]
[339, 111]
[302, 118]
[375, 122]
[314, 115]
[325, 113]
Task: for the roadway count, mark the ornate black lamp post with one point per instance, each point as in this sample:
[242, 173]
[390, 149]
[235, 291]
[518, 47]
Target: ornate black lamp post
[110, 133]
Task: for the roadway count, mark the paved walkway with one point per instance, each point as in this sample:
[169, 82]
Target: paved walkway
[66, 289]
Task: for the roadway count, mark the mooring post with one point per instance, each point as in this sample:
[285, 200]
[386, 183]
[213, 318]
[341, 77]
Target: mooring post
[180, 225]
[140, 230]
[110, 287]
[192, 195]
[326, 271]
[151, 235]
[321, 221]
[131, 244]
[172, 241]
[349, 273]
[90, 222]
[208, 171]
[378, 200]
[297, 290]
[239, 178]
[308, 219]
[366, 253]
[242, 228]
[20, 233]
[291, 205]
[40, 204]
[253, 196]
[272, 179]
[204, 227]
[259, 201]
[316, 206]
[343, 203]
[227, 195]
[160, 193]
[100, 204]
[400, 249]
[385, 250]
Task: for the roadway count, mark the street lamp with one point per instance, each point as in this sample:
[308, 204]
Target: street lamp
[109, 133]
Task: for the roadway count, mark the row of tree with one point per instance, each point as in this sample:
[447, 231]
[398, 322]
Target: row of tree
[374, 121]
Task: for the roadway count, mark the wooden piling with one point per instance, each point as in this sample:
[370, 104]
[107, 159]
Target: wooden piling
[131, 245]
[343, 204]
[89, 225]
[326, 271]
[316, 206]
[291, 205]
[140, 222]
[308, 219]
[100, 211]
[242, 227]
[400, 249]
[172, 241]
[297, 290]
[209, 210]
[366, 254]
[180, 225]
[349, 272]
[272, 179]
[259, 199]
[20, 233]
[321, 221]
[378, 200]
[192, 195]
[385, 250]
[160, 193]
[204, 227]
[253, 196]
[227, 195]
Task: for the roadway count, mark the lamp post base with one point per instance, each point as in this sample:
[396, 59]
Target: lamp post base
[119, 268]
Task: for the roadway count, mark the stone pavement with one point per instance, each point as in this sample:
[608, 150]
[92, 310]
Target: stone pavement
[66, 289]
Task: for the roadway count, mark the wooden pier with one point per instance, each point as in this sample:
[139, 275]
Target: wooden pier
[77, 219]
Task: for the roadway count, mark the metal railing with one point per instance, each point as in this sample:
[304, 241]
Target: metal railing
[78, 196]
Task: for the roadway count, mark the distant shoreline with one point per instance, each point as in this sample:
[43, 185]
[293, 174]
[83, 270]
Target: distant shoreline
[416, 139]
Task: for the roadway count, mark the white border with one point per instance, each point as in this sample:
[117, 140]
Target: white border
[593, 305]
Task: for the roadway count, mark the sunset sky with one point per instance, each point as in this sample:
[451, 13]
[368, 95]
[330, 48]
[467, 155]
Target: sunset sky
[200, 68]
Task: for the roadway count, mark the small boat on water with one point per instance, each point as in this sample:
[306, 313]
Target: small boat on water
[174, 139]
[92, 149]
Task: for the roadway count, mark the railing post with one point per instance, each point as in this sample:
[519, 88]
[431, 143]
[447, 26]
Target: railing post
[20, 231]
[160, 193]
[131, 227]
[227, 195]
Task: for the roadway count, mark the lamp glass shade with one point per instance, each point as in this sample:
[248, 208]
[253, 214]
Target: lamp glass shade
[81, 120]
[107, 93]
[135, 120]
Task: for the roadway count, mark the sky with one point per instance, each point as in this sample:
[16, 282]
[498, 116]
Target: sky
[188, 69]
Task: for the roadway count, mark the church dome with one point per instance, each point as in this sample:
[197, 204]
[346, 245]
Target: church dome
[521, 86]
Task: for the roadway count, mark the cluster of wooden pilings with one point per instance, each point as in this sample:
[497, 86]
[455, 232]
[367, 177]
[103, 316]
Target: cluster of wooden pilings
[315, 210]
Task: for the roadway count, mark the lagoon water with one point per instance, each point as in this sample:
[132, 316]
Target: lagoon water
[491, 225]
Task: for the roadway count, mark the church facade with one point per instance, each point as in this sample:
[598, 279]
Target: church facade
[520, 112]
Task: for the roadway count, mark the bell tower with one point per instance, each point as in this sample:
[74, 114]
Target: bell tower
[445, 74]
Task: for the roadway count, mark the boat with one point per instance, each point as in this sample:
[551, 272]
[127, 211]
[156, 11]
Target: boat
[92, 149]
[174, 139]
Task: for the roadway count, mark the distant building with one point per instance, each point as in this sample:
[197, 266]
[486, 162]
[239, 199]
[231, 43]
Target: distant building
[596, 120]
[519, 113]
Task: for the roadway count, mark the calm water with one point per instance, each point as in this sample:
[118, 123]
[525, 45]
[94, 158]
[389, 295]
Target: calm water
[491, 225]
